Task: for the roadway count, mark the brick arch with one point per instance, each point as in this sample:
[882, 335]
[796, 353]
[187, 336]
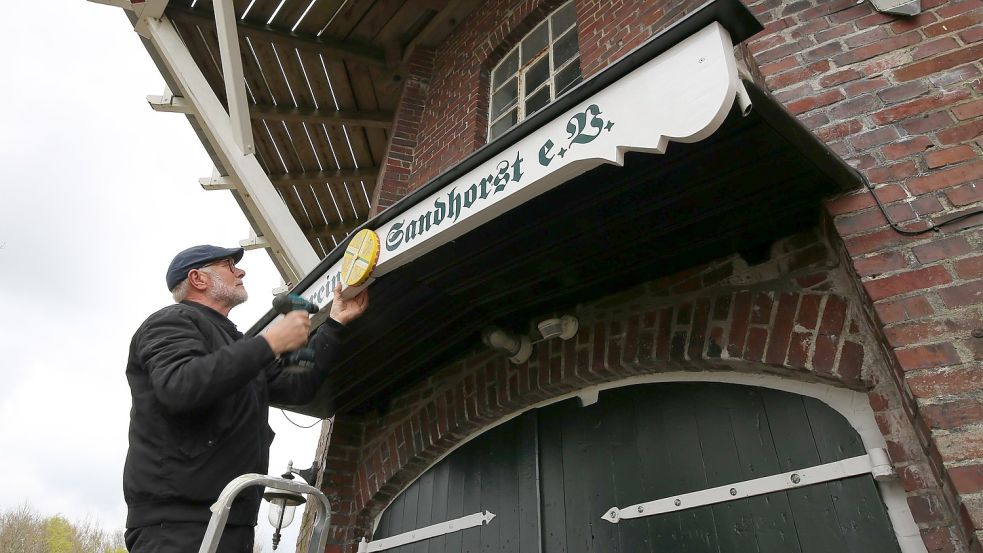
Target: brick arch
[787, 317]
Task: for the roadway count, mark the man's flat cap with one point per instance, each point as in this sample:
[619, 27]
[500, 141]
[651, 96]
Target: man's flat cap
[196, 258]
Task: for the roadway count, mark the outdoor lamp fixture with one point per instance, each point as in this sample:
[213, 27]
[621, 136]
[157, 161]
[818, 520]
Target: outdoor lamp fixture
[282, 506]
[519, 347]
[563, 328]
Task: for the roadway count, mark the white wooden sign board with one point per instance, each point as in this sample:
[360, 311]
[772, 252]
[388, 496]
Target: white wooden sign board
[683, 95]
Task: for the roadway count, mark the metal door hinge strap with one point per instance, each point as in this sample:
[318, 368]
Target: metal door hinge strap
[426, 532]
[853, 466]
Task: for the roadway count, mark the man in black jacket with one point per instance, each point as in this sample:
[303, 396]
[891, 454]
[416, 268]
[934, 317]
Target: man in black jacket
[201, 395]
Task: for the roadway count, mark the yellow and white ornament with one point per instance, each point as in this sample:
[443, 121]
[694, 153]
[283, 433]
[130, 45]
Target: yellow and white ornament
[360, 258]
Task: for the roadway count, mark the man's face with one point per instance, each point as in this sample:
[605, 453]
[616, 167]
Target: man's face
[226, 285]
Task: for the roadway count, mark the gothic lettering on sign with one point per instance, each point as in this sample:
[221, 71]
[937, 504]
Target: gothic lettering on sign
[582, 128]
[448, 209]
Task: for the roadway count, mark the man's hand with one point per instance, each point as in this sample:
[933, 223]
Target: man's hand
[289, 333]
[345, 311]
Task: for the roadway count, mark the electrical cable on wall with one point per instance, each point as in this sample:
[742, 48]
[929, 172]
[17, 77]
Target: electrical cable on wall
[932, 226]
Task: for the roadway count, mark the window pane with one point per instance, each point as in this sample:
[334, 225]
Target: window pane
[508, 67]
[565, 48]
[505, 98]
[567, 77]
[534, 42]
[537, 75]
[537, 101]
[504, 124]
[563, 19]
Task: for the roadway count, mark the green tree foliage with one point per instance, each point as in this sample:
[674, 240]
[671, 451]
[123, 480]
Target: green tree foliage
[24, 530]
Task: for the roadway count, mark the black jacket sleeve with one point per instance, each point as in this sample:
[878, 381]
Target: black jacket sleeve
[296, 386]
[186, 376]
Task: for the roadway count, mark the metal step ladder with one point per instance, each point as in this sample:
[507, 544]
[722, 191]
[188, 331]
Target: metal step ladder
[221, 508]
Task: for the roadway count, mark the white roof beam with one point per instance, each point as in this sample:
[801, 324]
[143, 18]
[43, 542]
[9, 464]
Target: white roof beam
[288, 245]
[235, 84]
[217, 183]
[254, 243]
[169, 103]
[147, 11]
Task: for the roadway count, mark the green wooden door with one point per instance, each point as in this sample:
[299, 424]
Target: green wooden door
[550, 475]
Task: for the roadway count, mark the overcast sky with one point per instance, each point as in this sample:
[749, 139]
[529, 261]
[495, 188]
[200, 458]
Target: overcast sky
[98, 193]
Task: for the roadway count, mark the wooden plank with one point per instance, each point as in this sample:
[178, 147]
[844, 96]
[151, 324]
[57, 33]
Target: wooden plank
[652, 446]
[718, 404]
[457, 467]
[297, 77]
[259, 13]
[812, 507]
[330, 136]
[287, 17]
[345, 79]
[471, 538]
[347, 18]
[528, 512]
[620, 428]
[374, 20]
[408, 521]
[295, 80]
[696, 527]
[507, 517]
[360, 207]
[320, 13]
[391, 520]
[773, 528]
[772, 525]
[490, 463]
[369, 119]
[424, 509]
[579, 515]
[552, 468]
[440, 505]
[859, 508]
[326, 138]
[204, 50]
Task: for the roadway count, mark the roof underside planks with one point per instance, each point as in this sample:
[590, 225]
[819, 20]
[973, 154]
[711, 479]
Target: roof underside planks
[323, 79]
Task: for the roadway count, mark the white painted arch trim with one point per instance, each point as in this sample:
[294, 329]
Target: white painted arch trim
[852, 405]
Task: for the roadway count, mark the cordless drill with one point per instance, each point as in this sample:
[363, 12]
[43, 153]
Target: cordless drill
[283, 304]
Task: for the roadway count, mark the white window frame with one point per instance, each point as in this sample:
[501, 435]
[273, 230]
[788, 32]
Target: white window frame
[520, 73]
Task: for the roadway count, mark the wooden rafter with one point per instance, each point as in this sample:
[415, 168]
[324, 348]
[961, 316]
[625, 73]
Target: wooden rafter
[376, 119]
[450, 13]
[320, 177]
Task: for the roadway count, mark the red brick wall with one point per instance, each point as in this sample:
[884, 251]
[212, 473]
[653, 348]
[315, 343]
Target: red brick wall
[394, 179]
[899, 98]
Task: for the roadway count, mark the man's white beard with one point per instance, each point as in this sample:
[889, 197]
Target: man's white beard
[227, 295]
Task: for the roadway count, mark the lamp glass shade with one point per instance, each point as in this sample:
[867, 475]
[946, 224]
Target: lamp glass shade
[281, 513]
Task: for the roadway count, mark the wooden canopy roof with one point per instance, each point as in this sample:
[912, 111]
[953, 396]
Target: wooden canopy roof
[323, 79]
